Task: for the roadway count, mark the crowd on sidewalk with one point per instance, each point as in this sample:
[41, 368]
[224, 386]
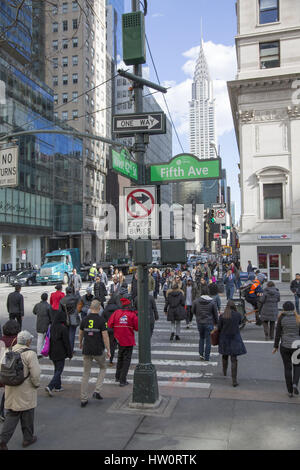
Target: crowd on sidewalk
[106, 325]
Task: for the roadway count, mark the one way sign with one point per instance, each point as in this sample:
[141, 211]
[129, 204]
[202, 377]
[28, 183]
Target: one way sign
[143, 123]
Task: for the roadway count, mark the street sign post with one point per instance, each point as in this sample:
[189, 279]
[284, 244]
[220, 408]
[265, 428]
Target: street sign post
[139, 123]
[185, 167]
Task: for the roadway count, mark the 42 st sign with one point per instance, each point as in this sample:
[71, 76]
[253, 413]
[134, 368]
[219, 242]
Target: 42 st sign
[142, 123]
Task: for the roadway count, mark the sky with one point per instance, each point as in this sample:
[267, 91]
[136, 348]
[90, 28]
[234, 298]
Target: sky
[173, 29]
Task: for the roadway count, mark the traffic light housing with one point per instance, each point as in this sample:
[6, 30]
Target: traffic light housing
[212, 216]
[134, 43]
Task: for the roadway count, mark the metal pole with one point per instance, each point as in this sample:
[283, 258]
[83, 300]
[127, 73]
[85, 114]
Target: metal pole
[145, 387]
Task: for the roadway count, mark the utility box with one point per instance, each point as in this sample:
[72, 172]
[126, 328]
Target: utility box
[173, 251]
[134, 44]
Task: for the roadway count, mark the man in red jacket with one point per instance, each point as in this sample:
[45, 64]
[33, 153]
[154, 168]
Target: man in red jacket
[124, 323]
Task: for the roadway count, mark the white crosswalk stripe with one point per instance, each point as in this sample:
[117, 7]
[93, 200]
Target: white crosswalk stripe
[177, 363]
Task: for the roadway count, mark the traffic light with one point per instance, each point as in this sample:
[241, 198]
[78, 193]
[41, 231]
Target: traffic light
[212, 217]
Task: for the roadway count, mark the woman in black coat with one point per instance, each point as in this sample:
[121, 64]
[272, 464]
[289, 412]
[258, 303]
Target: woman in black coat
[100, 291]
[269, 309]
[112, 305]
[60, 349]
[230, 340]
[175, 309]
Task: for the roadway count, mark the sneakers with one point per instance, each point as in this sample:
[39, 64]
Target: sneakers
[177, 338]
[29, 443]
[172, 336]
[83, 403]
[59, 389]
[47, 389]
[97, 396]
[295, 390]
[201, 358]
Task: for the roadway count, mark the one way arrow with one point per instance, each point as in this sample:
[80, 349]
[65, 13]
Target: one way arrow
[143, 198]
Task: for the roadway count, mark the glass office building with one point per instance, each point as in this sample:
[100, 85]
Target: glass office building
[47, 203]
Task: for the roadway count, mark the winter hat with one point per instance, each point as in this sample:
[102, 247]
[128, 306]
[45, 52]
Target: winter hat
[125, 301]
[288, 306]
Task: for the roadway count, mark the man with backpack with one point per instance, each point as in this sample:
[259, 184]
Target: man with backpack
[20, 400]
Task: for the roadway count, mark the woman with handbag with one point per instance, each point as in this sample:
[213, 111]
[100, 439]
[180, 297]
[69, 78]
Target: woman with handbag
[230, 340]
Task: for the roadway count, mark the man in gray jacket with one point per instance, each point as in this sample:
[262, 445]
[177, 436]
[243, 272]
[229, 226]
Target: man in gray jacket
[75, 282]
[205, 310]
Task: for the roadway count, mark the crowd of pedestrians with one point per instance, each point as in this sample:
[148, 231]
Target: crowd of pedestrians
[107, 319]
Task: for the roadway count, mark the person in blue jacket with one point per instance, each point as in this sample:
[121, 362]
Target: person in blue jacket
[229, 281]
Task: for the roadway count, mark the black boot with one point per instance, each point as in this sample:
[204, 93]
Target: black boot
[172, 336]
[234, 366]
[225, 365]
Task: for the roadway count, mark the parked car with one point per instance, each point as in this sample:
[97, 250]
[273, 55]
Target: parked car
[24, 278]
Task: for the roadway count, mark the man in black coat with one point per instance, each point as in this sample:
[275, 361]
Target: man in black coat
[100, 291]
[15, 305]
[295, 288]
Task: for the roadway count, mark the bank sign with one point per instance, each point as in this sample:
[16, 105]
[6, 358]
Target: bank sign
[9, 167]
[121, 163]
[185, 167]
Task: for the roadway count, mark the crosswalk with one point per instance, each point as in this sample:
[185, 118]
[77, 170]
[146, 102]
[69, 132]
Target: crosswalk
[177, 363]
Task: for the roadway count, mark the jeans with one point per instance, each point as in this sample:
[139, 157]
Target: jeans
[87, 365]
[297, 303]
[72, 334]
[229, 292]
[175, 327]
[291, 371]
[11, 421]
[58, 370]
[189, 314]
[124, 360]
[204, 331]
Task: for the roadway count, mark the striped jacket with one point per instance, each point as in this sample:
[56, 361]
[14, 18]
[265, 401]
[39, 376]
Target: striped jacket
[287, 330]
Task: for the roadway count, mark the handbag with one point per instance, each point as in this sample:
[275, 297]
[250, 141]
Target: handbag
[46, 348]
[214, 337]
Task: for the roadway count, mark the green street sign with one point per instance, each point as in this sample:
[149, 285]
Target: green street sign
[185, 167]
[228, 228]
[121, 163]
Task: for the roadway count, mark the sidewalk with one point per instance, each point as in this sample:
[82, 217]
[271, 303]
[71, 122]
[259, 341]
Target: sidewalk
[252, 416]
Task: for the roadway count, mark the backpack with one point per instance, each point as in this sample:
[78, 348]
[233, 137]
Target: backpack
[12, 368]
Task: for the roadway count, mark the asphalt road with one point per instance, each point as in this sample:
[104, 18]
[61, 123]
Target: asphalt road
[181, 377]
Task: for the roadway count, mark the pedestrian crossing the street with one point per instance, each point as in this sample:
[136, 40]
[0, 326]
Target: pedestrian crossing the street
[177, 363]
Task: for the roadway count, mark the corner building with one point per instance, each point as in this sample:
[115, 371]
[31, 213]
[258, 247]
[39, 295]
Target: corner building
[265, 102]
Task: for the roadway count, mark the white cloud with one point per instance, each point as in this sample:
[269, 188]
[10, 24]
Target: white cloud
[221, 61]
[157, 15]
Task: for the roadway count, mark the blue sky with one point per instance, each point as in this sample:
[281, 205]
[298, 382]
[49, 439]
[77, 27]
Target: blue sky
[173, 28]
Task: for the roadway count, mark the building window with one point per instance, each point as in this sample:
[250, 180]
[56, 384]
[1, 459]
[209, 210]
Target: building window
[65, 8]
[55, 62]
[65, 79]
[55, 45]
[75, 42]
[269, 55]
[65, 97]
[268, 11]
[75, 113]
[55, 99]
[75, 23]
[65, 43]
[65, 61]
[75, 96]
[273, 201]
[74, 6]
[64, 115]
[55, 80]
[75, 78]
[54, 27]
[65, 25]
[75, 60]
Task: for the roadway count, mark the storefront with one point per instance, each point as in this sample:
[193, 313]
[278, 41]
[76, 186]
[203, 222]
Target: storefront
[275, 262]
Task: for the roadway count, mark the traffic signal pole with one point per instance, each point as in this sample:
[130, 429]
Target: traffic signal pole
[145, 386]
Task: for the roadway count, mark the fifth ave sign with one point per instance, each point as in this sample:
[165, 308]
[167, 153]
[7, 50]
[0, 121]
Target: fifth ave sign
[143, 123]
